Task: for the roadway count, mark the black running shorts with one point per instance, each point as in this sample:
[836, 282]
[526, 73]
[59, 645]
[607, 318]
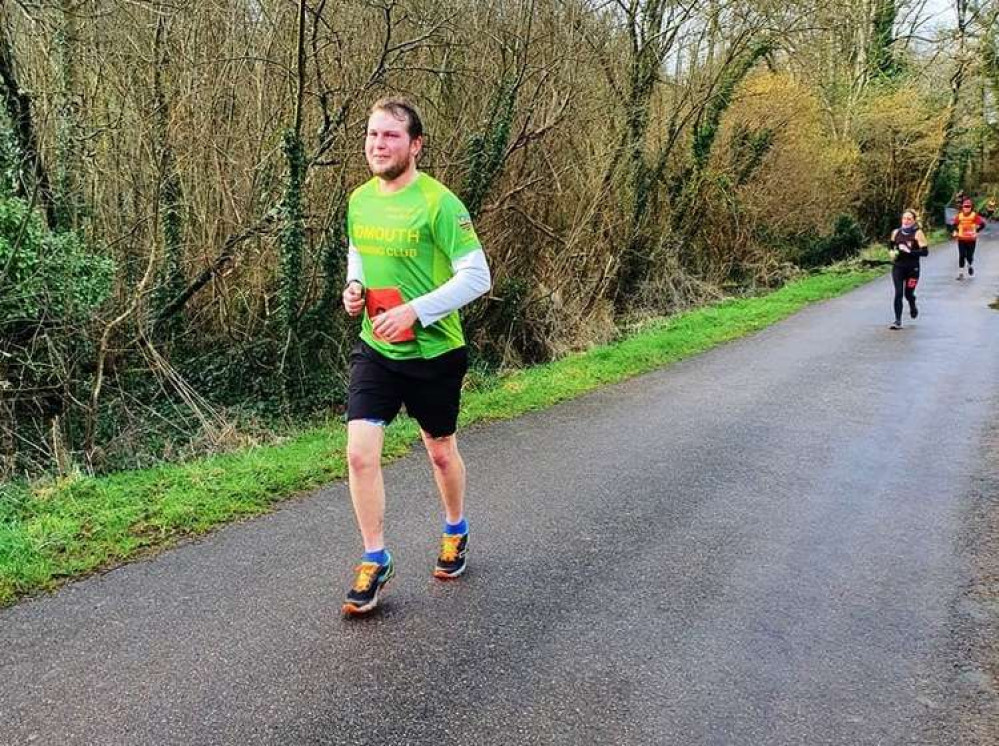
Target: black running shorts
[430, 389]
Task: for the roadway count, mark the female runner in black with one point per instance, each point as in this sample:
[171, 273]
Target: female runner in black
[906, 245]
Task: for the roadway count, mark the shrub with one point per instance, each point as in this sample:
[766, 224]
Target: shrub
[45, 276]
[846, 240]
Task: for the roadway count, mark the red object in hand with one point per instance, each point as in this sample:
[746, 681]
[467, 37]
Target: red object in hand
[379, 300]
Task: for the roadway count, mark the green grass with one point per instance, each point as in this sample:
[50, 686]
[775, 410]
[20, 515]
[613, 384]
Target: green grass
[62, 529]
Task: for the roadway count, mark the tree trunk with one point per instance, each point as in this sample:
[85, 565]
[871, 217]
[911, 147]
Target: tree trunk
[32, 176]
[933, 173]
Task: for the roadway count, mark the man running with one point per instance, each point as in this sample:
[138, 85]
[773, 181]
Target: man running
[414, 259]
[907, 244]
[967, 223]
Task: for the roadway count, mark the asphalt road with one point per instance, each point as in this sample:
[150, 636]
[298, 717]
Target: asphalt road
[768, 544]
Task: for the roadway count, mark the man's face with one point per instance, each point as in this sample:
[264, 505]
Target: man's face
[388, 147]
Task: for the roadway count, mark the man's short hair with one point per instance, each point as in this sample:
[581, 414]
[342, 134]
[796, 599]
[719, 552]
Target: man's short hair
[402, 109]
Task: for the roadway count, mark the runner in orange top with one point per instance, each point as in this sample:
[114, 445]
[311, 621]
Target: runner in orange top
[967, 223]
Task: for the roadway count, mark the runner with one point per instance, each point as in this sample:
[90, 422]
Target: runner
[989, 212]
[967, 223]
[907, 244]
[414, 259]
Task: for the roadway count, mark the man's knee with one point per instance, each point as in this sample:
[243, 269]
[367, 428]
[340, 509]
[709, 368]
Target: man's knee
[362, 458]
[443, 452]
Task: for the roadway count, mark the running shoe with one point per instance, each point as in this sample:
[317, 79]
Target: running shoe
[452, 560]
[960, 275]
[971, 271]
[368, 583]
[896, 324]
[913, 311]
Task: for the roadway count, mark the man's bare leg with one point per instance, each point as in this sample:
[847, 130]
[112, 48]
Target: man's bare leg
[367, 488]
[449, 473]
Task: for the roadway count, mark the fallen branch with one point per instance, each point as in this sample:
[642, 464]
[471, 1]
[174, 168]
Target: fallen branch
[224, 259]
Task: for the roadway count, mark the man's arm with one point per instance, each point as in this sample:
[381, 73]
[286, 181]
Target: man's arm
[353, 291]
[471, 280]
[355, 271]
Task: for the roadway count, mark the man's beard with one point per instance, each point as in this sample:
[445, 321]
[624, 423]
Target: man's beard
[392, 171]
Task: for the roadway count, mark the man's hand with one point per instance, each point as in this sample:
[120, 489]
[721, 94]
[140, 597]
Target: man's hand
[353, 298]
[392, 324]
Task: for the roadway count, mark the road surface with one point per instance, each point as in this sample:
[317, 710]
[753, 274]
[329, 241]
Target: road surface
[775, 542]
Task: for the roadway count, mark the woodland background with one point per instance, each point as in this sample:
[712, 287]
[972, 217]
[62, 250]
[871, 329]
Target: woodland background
[174, 175]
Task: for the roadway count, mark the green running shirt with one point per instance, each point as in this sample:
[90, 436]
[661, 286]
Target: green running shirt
[408, 239]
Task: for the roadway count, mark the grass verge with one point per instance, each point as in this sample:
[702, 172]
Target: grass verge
[53, 531]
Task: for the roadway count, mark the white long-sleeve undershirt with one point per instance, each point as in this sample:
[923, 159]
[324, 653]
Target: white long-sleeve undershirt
[471, 279]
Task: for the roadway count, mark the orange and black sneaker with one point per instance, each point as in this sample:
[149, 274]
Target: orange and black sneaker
[451, 562]
[368, 583]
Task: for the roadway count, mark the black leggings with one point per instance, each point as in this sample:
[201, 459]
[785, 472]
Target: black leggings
[965, 251]
[905, 280]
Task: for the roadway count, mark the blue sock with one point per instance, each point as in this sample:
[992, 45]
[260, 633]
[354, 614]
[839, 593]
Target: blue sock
[379, 555]
[456, 529]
